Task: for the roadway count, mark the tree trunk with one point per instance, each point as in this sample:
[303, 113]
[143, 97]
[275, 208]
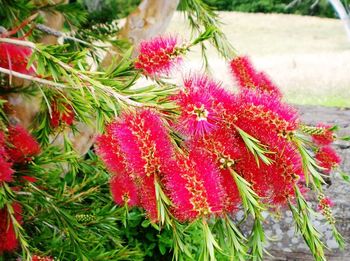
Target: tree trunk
[150, 18]
[343, 14]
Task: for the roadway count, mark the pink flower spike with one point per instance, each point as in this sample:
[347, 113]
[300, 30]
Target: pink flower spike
[5, 170]
[5, 166]
[197, 116]
[123, 187]
[176, 188]
[200, 104]
[145, 142]
[325, 203]
[243, 71]
[159, 55]
[136, 147]
[210, 177]
[15, 57]
[265, 84]
[194, 186]
[268, 109]
[327, 158]
[248, 78]
[124, 190]
[326, 137]
[23, 146]
[108, 149]
[8, 238]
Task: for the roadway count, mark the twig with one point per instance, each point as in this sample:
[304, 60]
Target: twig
[31, 78]
[24, 23]
[105, 88]
[18, 42]
[314, 4]
[292, 4]
[56, 33]
[2, 30]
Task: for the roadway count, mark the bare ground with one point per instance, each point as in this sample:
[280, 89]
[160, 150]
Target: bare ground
[308, 57]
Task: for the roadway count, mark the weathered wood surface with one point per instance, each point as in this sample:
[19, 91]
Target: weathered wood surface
[289, 246]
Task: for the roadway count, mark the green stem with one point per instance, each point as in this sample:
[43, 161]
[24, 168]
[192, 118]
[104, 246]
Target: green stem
[209, 243]
[255, 147]
[235, 240]
[250, 199]
[301, 213]
[251, 204]
[309, 166]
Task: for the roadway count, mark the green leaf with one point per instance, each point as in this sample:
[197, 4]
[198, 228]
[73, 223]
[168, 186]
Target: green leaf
[345, 176]
[310, 166]
[255, 147]
[250, 199]
[345, 138]
[256, 241]
[146, 223]
[207, 34]
[209, 242]
[233, 240]
[301, 214]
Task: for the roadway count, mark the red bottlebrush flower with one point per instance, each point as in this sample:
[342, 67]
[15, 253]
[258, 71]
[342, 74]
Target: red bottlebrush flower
[201, 104]
[232, 198]
[30, 179]
[5, 170]
[176, 187]
[259, 112]
[146, 145]
[223, 148]
[274, 182]
[22, 145]
[248, 78]
[64, 115]
[5, 166]
[244, 72]
[123, 187]
[325, 203]
[284, 173]
[15, 57]
[194, 186]
[42, 258]
[124, 190]
[158, 55]
[198, 115]
[327, 158]
[143, 141]
[109, 151]
[325, 137]
[210, 178]
[8, 240]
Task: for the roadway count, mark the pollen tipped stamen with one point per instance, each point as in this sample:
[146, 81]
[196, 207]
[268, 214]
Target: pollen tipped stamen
[201, 113]
[226, 162]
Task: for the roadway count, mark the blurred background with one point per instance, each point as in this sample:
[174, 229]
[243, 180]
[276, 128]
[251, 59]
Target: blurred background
[302, 44]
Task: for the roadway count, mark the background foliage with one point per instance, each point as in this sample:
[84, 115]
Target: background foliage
[108, 10]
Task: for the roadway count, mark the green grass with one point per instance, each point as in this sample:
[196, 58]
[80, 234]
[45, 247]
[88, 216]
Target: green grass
[325, 101]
